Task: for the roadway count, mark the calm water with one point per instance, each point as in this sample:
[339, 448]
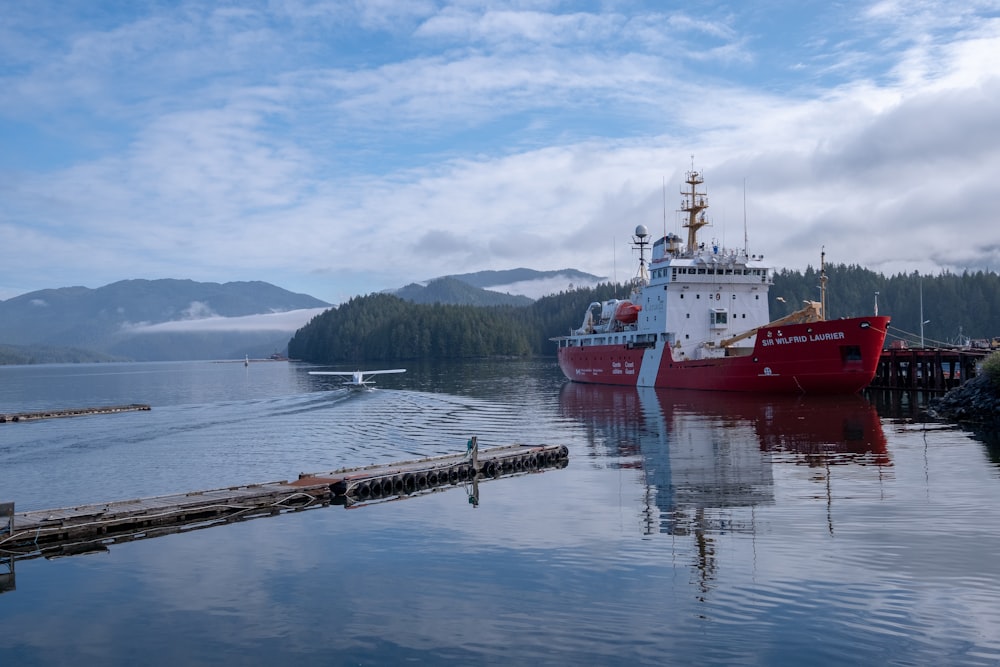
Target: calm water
[687, 529]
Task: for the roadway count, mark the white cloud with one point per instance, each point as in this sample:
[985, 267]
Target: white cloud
[536, 289]
[288, 321]
[339, 149]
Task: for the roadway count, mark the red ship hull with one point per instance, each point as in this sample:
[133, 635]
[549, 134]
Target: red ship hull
[826, 357]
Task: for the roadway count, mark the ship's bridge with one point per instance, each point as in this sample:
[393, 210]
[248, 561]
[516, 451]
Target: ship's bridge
[696, 298]
[706, 264]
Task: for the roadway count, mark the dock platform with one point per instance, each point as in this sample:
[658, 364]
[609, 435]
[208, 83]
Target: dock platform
[86, 528]
[71, 412]
[926, 369]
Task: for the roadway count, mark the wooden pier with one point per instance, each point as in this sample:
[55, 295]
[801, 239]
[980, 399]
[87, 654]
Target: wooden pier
[88, 528]
[926, 369]
[71, 412]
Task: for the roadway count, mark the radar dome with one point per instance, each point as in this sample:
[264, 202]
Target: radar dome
[641, 231]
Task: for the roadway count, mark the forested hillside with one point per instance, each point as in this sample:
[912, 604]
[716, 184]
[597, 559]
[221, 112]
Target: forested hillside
[45, 354]
[382, 327]
[954, 306]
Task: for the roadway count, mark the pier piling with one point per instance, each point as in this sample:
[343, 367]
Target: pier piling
[926, 369]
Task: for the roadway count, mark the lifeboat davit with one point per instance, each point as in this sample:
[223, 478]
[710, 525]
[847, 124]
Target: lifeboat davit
[627, 312]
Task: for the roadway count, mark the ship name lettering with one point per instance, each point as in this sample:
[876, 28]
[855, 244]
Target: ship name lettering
[811, 338]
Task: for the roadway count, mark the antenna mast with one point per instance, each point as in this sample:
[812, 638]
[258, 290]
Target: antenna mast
[746, 242]
[664, 207]
[614, 260]
[639, 242]
[822, 283]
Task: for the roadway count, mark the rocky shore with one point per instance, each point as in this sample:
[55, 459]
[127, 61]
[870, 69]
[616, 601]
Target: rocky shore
[975, 402]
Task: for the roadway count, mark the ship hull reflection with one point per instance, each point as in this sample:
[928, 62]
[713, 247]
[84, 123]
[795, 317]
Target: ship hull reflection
[712, 450]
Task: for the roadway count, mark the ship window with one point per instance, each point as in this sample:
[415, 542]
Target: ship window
[682, 295]
[719, 317]
[688, 316]
[697, 296]
[734, 296]
[701, 272]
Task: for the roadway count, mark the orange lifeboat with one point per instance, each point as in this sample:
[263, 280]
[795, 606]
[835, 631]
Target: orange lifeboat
[627, 312]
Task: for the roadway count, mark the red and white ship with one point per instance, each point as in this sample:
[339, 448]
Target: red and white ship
[698, 318]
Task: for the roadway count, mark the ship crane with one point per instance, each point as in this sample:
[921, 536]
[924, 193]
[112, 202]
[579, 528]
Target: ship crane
[811, 313]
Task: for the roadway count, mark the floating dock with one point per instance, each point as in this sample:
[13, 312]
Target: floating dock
[72, 412]
[407, 477]
[88, 528]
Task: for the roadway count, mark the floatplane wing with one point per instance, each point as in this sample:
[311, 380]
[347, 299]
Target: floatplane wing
[359, 379]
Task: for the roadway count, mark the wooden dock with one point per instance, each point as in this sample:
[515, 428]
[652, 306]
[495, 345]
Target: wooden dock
[87, 528]
[71, 412]
[926, 369]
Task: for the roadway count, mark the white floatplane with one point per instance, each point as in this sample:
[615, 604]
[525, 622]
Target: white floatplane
[359, 379]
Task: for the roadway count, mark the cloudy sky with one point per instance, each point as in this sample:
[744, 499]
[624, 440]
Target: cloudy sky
[338, 147]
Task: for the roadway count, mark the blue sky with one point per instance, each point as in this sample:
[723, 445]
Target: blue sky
[338, 148]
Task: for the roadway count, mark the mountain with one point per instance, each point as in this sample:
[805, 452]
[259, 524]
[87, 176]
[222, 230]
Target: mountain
[453, 291]
[516, 287]
[167, 320]
[501, 280]
[129, 319]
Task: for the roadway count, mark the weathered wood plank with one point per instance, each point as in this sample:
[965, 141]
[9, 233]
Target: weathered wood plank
[85, 527]
[71, 412]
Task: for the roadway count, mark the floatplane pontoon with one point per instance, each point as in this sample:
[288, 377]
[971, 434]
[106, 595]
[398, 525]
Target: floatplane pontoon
[359, 380]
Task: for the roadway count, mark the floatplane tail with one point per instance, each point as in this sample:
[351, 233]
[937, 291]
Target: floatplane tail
[359, 379]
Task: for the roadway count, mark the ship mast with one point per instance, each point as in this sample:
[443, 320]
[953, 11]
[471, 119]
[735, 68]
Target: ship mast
[693, 203]
[822, 283]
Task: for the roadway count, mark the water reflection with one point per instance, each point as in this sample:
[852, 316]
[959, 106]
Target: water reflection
[707, 450]
[707, 458]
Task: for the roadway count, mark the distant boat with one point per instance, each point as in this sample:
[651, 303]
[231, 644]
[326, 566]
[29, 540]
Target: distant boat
[698, 318]
[360, 380]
